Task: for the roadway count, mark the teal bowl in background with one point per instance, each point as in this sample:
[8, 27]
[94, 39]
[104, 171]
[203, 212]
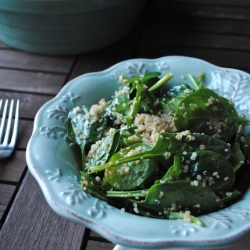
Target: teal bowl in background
[66, 27]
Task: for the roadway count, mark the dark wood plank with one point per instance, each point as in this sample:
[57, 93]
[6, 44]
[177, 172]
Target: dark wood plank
[12, 169]
[207, 9]
[198, 40]
[29, 103]
[36, 82]
[24, 133]
[6, 194]
[232, 3]
[96, 241]
[103, 59]
[16, 59]
[97, 245]
[198, 25]
[185, 24]
[218, 33]
[31, 223]
[224, 58]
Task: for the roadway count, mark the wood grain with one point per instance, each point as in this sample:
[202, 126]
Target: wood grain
[32, 224]
[94, 245]
[29, 103]
[216, 32]
[36, 82]
[24, 133]
[11, 169]
[16, 59]
[6, 194]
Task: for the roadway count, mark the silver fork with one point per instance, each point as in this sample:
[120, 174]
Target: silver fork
[7, 127]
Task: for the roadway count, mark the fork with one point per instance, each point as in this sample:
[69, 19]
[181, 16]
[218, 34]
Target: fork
[7, 127]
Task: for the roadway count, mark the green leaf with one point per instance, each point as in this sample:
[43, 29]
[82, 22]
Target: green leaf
[174, 96]
[150, 78]
[93, 187]
[204, 111]
[106, 149]
[211, 168]
[181, 89]
[168, 144]
[245, 146]
[237, 158]
[180, 196]
[118, 106]
[131, 175]
[174, 171]
[84, 128]
[202, 141]
[231, 197]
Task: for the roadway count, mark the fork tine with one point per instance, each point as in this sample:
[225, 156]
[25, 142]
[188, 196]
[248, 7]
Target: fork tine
[7, 131]
[3, 119]
[16, 124]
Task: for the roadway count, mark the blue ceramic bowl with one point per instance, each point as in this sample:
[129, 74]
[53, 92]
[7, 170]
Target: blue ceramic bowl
[55, 165]
[66, 27]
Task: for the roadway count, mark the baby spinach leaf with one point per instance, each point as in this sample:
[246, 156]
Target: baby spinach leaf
[245, 146]
[181, 89]
[106, 149]
[139, 151]
[93, 187]
[176, 143]
[118, 106]
[174, 171]
[150, 78]
[211, 168]
[231, 197]
[131, 175]
[171, 105]
[174, 96]
[167, 145]
[84, 128]
[180, 195]
[204, 111]
[237, 158]
[202, 141]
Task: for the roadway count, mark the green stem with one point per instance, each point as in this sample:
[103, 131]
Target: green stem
[162, 81]
[196, 86]
[127, 194]
[94, 169]
[181, 215]
[197, 82]
[83, 157]
[200, 78]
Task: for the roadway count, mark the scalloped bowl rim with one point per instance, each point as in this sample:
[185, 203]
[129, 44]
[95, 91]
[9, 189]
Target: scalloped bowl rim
[225, 227]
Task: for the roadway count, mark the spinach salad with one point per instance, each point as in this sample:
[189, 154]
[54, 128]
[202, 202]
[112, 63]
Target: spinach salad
[173, 153]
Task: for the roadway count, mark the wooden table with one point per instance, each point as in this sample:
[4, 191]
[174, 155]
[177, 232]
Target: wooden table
[212, 30]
